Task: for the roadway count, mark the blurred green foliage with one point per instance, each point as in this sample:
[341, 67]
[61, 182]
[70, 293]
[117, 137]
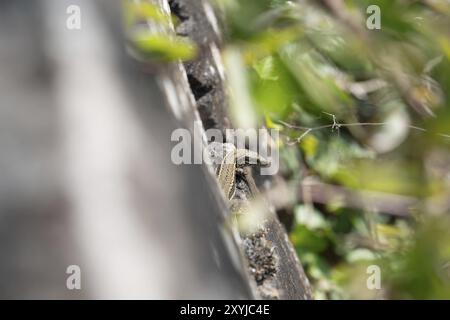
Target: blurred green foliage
[157, 42]
[163, 47]
[364, 110]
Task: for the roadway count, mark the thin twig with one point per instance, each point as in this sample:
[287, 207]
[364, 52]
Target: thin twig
[336, 125]
[299, 138]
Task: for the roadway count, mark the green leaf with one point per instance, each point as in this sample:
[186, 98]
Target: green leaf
[306, 240]
[266, 69]
[163, 46]
[144, 10]
[310, 217]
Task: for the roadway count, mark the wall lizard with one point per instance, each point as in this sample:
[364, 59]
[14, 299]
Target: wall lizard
[228, 161]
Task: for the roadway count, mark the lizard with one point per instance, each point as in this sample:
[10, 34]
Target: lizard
[229, 161]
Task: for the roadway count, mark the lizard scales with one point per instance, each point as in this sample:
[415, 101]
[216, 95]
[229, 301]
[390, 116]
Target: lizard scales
[229, 161]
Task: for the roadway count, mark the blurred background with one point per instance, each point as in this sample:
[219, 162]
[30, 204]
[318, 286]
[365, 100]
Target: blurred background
[365, 115]
[85, 173]
[364, 121]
